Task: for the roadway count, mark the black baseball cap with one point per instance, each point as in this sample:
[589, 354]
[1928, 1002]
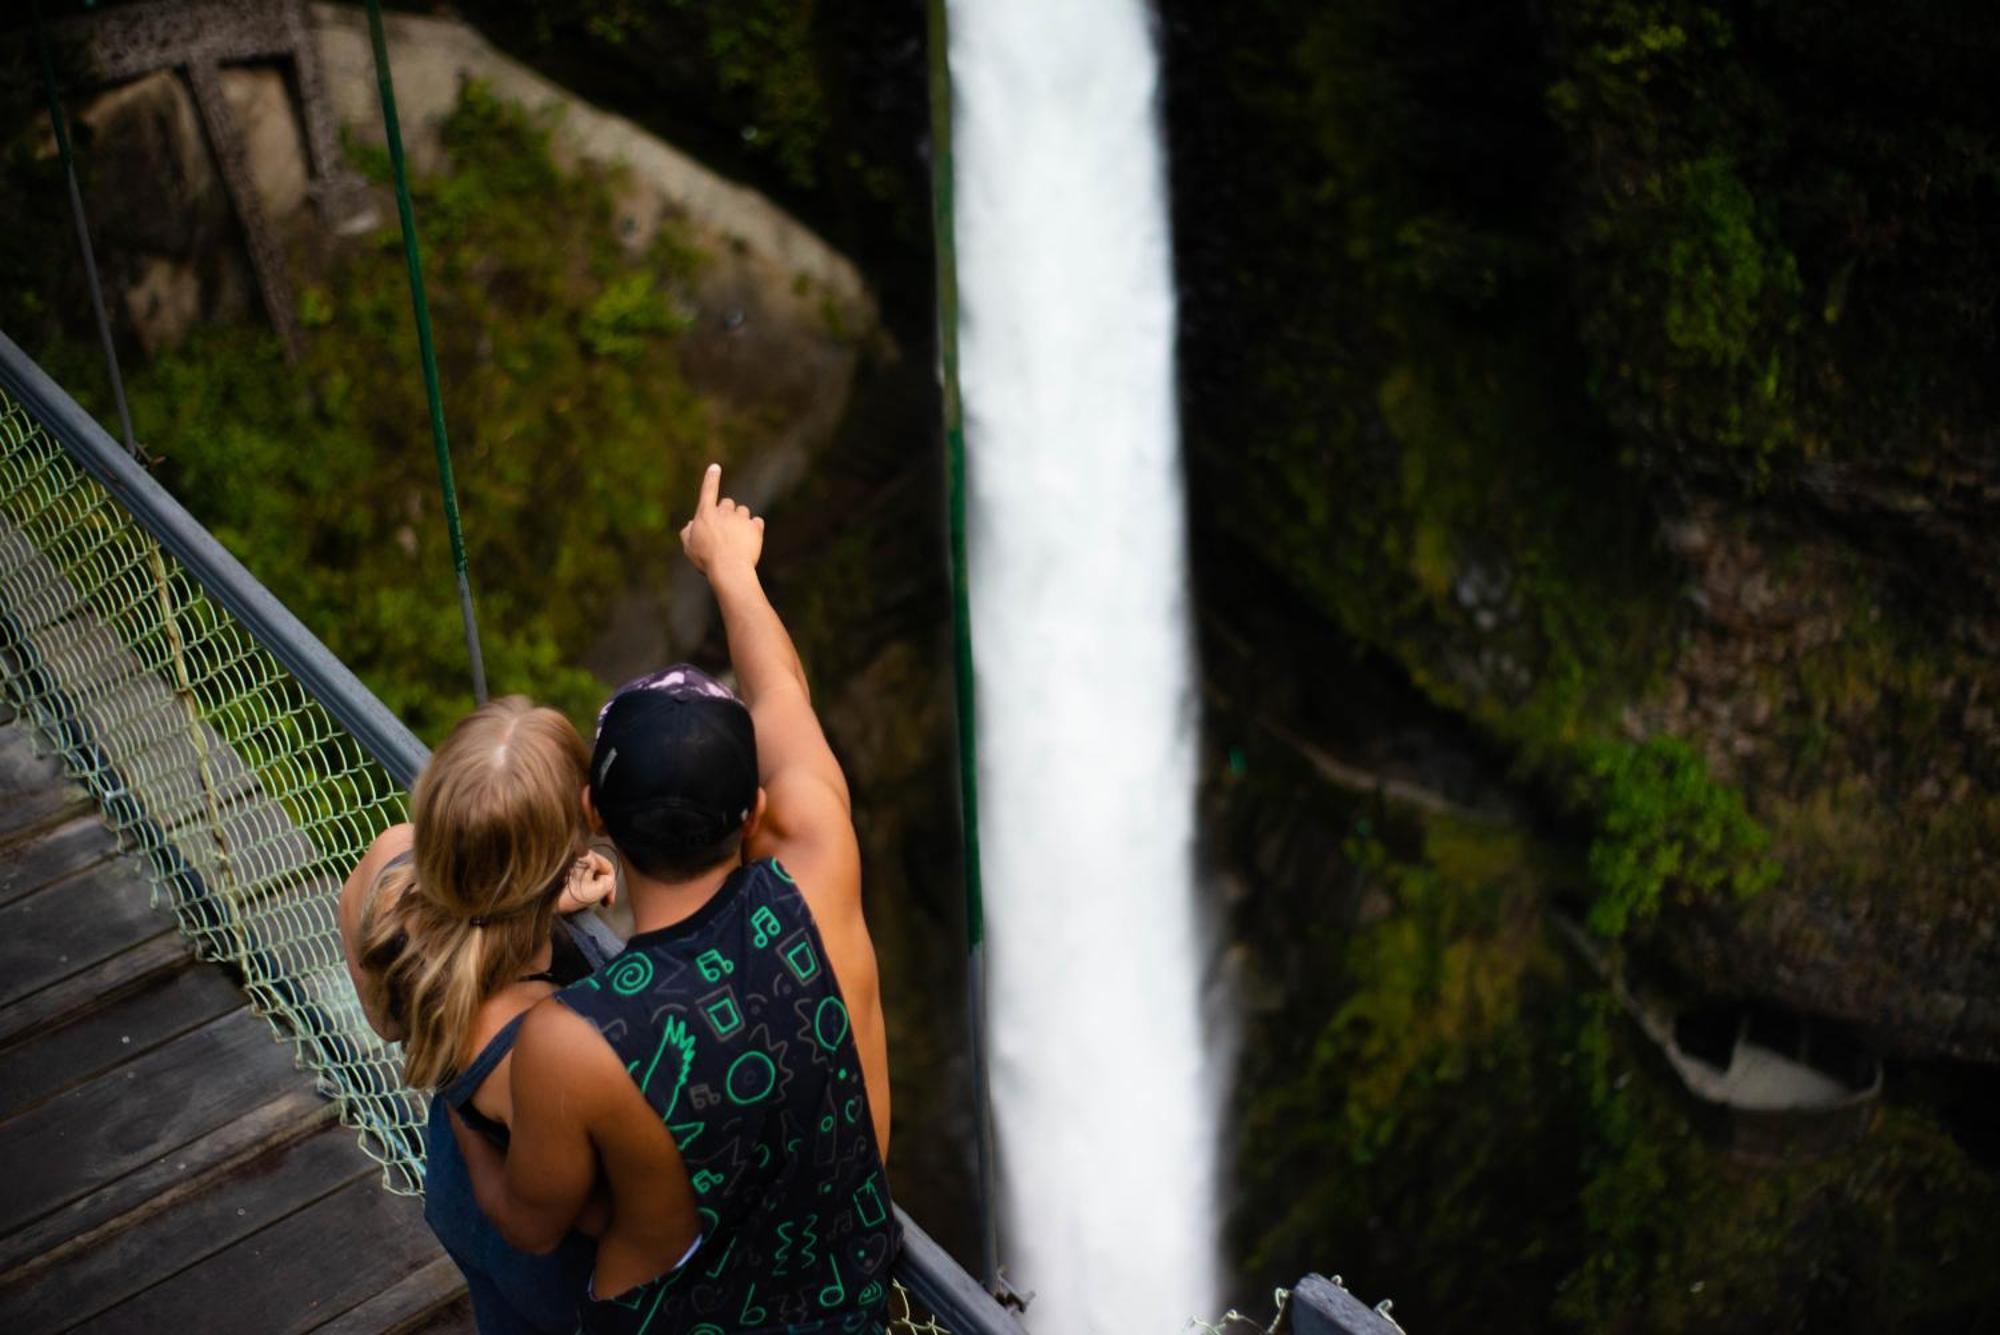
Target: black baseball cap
[675, 762]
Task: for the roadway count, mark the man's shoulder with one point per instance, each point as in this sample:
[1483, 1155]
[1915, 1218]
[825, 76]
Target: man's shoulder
[555, 1037]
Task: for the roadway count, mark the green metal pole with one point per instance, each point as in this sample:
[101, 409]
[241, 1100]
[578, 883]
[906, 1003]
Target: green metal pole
[426, 351]
[944, 234]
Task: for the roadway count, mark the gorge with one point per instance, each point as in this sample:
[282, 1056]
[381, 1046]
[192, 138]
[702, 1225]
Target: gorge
[1589, 420]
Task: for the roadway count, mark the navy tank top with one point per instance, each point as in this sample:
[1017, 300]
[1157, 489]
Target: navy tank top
[731, 1024]
[512, 1292]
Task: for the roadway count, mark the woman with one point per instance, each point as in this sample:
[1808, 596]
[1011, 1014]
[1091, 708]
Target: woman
[447, 925]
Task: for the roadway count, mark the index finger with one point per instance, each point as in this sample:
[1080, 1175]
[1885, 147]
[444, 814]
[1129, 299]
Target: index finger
[711, 488]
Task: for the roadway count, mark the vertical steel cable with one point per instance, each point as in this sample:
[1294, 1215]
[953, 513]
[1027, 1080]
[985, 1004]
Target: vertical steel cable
[61, 124]
[426, 351]
[169, 615]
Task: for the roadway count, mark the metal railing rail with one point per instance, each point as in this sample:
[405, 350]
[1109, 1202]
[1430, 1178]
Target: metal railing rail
[232, 749]
[1322, 1306]
[221, 575]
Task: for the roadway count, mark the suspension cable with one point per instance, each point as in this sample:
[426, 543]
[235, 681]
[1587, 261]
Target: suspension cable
[61, 124]
[427, 353]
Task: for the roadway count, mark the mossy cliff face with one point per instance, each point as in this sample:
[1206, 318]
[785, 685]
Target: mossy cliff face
[1622, 371]
[1618, 377]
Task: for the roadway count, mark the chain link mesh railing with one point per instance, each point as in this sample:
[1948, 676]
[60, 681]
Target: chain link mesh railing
[247, 801]
[245, 764]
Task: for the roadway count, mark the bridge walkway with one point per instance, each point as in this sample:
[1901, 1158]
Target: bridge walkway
[164, 1165]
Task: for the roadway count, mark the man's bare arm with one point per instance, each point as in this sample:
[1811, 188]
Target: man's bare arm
[808, 819]
[535, 1192]
[725, 541]
[808, 822]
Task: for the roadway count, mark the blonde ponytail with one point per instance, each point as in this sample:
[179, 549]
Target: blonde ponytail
[496, 825]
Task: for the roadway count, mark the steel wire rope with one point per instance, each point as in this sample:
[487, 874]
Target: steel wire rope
[426, 350]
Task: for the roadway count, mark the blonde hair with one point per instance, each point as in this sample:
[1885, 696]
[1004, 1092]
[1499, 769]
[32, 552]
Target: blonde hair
[497, 824]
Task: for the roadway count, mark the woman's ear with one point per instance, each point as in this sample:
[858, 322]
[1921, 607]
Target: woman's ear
[590, 816]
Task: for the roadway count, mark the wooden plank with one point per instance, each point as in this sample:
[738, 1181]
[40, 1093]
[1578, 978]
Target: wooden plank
[425, 1300]
[34, 791]
[455, 1318]
[49, 857]
[99, 1131]
[25, 766]
[61, 929]
[69, 1054]
[236, 1205]
[137, 716]
[301, 1271]
[177, 1174]
[94, 987]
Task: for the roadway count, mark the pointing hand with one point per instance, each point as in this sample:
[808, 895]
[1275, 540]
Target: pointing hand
[723, 535]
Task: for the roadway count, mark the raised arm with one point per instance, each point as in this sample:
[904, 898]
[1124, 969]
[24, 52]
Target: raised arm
[808, 822]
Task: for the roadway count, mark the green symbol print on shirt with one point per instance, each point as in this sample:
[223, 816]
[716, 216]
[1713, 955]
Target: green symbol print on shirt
[673, 1034]
[631, 975]
[799, 958]
[809, 1244]
[715, 1271]
[834, 1294]
[751, 1315]
[722, 1014]
[780, 1265]
[764, 927]
[751, 1078]
[829, 1022]
[868, 1203]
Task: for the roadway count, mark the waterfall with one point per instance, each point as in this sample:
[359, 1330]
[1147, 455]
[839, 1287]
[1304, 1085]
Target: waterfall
[1104, 1091]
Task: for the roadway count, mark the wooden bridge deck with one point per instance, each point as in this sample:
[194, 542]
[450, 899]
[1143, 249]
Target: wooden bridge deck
[164, 1167]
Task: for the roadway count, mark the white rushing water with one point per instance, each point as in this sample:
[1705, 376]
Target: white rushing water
[1104, 1093]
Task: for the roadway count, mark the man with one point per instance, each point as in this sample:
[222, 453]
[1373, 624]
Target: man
[728, 1072]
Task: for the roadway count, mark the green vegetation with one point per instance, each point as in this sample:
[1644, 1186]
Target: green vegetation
[1423, 1085]
[1886, 1234]
[1577, 358]
[573, 429]
[1667, 828]
[1453, 1113]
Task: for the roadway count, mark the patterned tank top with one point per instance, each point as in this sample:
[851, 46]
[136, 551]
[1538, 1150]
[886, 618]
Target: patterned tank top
[731, 1024]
